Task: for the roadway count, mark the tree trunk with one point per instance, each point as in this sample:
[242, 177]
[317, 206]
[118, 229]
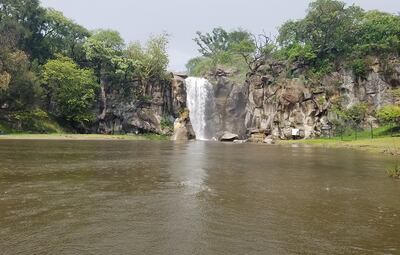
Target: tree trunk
[103, 101]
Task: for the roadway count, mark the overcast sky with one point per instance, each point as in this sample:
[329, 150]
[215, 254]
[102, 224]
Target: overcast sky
[136, 20]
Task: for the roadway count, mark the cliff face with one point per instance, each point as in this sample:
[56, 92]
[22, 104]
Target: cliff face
[155, 110]
[269, 103]
[230, 103]
[277, 104]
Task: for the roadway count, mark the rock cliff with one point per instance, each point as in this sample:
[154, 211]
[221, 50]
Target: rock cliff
[274, 100]
[230, 100]
[278, 103]
[153, 110]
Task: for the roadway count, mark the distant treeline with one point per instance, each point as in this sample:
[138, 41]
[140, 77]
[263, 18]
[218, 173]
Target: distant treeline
[329, 35]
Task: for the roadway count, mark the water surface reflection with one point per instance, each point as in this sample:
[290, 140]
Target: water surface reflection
[123, 197]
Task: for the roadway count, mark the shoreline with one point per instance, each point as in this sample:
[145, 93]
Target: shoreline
[387, 145]
[84, 137]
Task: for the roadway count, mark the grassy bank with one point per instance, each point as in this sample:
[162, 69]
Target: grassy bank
[388, 145]
[83, 137]
[385, 139]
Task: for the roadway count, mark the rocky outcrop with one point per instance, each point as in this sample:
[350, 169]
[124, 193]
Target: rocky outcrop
[230, 102]
[153, 109]
[183, 129]
[277, 104]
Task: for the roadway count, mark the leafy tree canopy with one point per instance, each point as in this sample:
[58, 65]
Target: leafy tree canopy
[70, 88]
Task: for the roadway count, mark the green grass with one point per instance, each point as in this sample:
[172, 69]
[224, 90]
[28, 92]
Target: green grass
[380, 132]
[383, 141]
[388, 145]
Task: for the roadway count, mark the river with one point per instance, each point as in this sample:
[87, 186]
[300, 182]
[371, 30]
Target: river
[141, 197]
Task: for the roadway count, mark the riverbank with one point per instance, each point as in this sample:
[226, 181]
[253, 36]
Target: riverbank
[82, 137]
[387, 145]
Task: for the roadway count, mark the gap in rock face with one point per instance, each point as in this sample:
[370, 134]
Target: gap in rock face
[201, 104]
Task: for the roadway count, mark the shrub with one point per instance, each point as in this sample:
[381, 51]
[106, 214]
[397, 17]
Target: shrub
[166, 123]
[359, 68]
[394, 172]
[389, 114]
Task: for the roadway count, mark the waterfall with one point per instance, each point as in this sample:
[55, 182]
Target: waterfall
[201, 104]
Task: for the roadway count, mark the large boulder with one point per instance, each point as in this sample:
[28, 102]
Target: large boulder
[183, 130]
[228, 137]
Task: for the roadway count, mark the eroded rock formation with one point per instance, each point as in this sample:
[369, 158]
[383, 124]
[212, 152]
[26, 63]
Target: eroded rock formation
[278, 104]
[153, 110]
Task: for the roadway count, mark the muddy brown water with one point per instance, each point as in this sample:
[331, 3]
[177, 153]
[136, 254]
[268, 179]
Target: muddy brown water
[140, 197]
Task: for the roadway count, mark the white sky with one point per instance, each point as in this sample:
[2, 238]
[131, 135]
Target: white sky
[136, 20]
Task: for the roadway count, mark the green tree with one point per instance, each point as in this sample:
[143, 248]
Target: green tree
[29, 17]
[379, 33]
[71, 89]
[101, 48]
[353, 116]
[151, 60]
[219, 40]
[220, 47]
[63, 36]
[328, 28]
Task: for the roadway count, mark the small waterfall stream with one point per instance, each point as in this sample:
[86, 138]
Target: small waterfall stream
[201, 104]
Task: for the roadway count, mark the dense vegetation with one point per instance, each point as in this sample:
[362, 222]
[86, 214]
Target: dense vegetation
[331, 33]
[330, 37]
[54, 69]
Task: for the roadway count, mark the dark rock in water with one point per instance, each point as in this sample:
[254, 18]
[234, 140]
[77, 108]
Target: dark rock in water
[228, 137]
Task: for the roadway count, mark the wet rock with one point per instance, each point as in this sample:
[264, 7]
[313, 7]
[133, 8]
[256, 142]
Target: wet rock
[228, 137]
[240, 141]
[183, 130]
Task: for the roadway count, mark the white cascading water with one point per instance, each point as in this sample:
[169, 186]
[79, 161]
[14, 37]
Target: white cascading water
[201, 104]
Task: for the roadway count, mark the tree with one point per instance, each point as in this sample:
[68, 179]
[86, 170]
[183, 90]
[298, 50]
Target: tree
[151, 59]
[42, 32]
[63, 36]
[219, 40]
[70, 89]
[379, 33]
[101, 48]
[29, 16]
[232, 49]
[353, 116]
[22, 89]
[325, 33]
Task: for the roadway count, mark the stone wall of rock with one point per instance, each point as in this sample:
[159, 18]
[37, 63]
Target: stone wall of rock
[277, 104]
[155, 110]
[231, 100]
[269, 104]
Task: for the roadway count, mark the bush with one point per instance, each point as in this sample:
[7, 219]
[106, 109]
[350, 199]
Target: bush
[359, 68]
[166, 123]
[389, 114]
[394, 172]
